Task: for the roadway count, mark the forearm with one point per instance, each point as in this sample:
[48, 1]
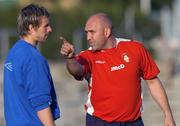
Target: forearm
[159, 95]
[46, 117]
[74, 67]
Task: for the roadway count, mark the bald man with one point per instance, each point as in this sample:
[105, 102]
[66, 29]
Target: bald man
[114, 68]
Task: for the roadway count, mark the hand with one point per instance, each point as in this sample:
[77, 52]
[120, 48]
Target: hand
[67, 49]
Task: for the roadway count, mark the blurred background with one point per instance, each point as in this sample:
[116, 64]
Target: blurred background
[156, 23]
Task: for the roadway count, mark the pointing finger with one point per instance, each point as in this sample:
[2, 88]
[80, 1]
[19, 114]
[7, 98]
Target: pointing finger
[63, 39]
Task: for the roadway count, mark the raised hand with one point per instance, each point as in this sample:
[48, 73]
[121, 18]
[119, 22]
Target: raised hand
[67, 50]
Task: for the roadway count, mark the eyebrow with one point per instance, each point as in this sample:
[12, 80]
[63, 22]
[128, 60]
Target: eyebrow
[88, 31]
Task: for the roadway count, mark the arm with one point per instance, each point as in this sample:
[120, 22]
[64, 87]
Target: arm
[45, 116]
[158, 93]
[73, 66]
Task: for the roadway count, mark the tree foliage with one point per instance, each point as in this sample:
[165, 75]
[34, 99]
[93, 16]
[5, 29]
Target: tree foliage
[65, 22]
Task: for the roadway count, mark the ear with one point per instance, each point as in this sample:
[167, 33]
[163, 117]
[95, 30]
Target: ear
[31, 29]
[107, 32]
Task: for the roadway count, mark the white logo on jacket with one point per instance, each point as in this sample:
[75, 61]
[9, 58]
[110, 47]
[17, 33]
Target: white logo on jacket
[126, 58]
[9, 66]
[119, 67]
[100, 62]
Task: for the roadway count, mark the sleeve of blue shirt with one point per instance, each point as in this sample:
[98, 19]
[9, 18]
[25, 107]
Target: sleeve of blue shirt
[38, 85]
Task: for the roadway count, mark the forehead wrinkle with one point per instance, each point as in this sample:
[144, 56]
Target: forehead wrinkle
[94, 23]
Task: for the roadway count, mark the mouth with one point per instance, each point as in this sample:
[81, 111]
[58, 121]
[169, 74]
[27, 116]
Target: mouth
[46, 35]
[90, 44]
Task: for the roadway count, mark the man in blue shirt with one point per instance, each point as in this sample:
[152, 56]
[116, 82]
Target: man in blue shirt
[29, 94]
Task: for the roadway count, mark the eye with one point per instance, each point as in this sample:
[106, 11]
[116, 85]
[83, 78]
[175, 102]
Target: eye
[47, 25]
[92, 31]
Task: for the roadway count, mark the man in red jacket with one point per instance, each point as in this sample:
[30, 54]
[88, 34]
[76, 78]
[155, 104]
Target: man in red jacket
[114, 68]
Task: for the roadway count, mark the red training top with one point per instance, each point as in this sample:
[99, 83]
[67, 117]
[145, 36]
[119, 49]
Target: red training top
[114, 77]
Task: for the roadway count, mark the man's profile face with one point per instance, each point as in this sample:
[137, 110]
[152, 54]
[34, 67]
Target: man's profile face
[41, 33]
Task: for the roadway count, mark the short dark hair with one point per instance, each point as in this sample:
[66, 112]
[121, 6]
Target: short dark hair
[30, 15]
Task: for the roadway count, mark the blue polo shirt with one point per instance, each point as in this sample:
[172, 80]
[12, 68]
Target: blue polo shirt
[28, 86]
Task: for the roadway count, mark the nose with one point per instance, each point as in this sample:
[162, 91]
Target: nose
[88, 36]
[49, 29]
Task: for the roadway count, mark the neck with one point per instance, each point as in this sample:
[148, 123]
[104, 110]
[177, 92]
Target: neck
[29, 40]
[112, 42]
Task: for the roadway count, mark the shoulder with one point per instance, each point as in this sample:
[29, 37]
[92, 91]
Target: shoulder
[20, 48]
[25, 52]
[128, 43]
[86, 52]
